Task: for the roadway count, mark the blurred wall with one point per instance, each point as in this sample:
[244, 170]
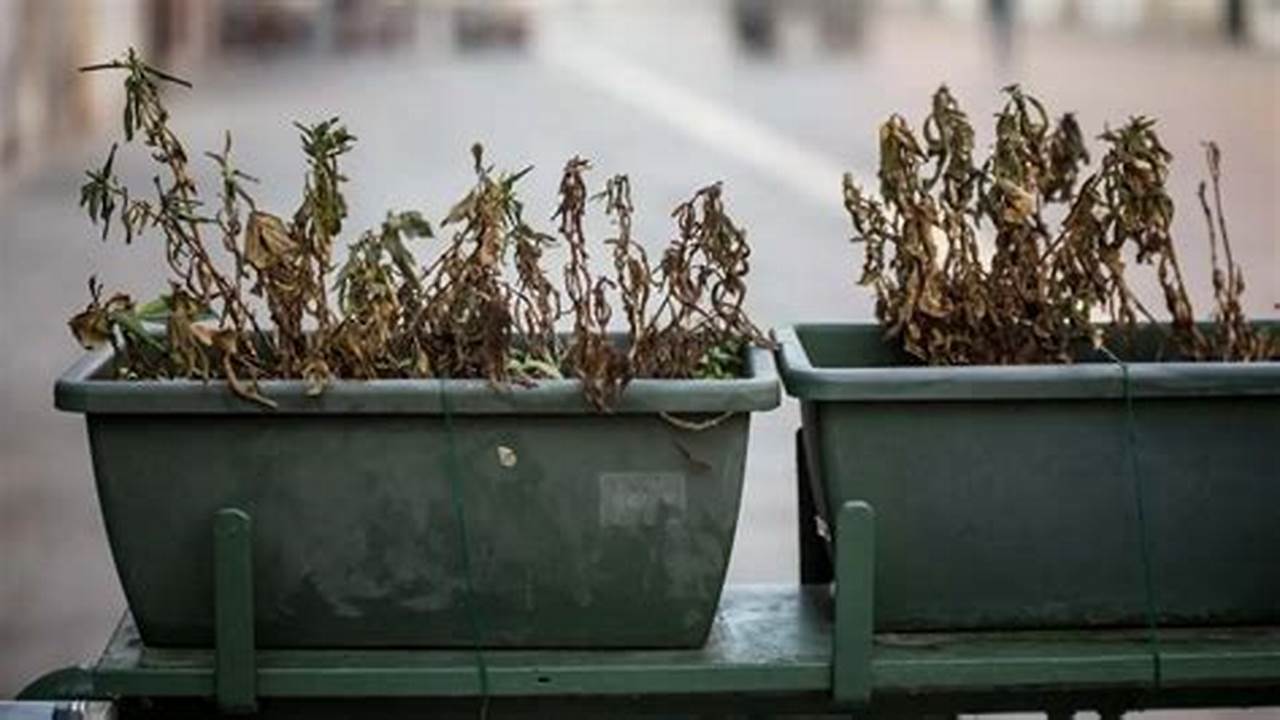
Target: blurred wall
[40, 103]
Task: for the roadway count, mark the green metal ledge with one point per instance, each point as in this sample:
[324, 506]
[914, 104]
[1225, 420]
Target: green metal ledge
[804, 648]
[768, 641]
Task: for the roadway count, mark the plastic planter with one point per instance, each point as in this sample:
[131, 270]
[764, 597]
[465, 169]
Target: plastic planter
[583, 529]
[1009, 497]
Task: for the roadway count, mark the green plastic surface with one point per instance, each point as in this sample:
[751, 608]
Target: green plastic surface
[83, 388]
[1001, 493]
[585, 530]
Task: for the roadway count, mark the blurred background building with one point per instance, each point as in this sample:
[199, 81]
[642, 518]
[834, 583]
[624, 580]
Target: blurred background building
[777, 98]
[41, 104]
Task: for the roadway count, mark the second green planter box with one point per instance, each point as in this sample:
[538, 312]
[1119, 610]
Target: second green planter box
[1029, 497]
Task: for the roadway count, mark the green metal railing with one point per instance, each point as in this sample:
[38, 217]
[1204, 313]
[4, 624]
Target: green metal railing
[806, 648]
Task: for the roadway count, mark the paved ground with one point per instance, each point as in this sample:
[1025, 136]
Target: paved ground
[669, 96]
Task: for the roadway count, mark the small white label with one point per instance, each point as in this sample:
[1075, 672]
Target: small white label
[506, 456]
[640, 498]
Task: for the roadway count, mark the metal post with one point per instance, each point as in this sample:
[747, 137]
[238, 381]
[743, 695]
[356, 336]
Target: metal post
[854, 604]
[235, 671]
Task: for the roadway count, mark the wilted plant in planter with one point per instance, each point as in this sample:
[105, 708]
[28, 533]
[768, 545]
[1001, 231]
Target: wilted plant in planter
[407, 392]
[1061, 476]
[460, 317]
[1038, 295]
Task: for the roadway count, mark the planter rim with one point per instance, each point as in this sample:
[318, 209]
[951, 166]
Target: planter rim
[81, 389]
[1086, 380]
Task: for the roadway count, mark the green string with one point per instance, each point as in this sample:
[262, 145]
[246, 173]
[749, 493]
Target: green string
[460, 515]
[1144, 542]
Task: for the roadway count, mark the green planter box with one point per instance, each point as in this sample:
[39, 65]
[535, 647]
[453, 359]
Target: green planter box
[584, 530]
[1003, 495]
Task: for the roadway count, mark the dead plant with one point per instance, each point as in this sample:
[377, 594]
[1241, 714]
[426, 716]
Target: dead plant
[1037, 295]
[484, 308]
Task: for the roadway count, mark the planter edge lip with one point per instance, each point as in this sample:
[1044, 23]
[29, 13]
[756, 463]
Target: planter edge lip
[1094, 380]
[76, 390]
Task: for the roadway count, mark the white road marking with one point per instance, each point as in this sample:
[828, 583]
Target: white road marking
[800, 169]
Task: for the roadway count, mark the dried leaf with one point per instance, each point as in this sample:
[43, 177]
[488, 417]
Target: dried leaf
[267, 241]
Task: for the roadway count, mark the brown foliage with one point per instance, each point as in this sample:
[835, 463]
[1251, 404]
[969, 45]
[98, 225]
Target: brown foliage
[485, 308]
[1035, 296]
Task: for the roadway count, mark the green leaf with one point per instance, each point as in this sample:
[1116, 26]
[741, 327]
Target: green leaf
[131, 324]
